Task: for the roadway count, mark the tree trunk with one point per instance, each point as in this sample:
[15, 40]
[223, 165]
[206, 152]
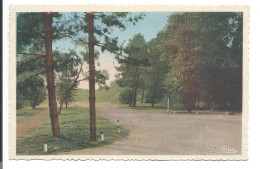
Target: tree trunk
[50, 75]
[35, 101]
[142, 96]
[66, 101]
[155, 90]
[135, 86]
[92, 108]
[134, 103]
[131, 100]
[212, 105]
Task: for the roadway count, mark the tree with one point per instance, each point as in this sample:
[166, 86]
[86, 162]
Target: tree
[38, 29]
[132, 65]
[106, 42]
[207, 57]
[67, 71]
[219, 37]
[186, 64]
[31, 89]
[50, 74]
[158, 69]
[30, 80]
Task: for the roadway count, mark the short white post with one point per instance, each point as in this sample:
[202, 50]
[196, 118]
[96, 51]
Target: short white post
[45, 146]
[196, 113]
[168, 106]
[102, 136]
[174, 112]
[226, 112]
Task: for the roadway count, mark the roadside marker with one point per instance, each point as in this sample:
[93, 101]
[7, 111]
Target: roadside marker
[196, 113]
[102, 136]
[174, 112]
[226, 112]
[45, 146]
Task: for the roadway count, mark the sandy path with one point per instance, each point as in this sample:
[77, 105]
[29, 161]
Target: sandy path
[27, 124]
[156, 133]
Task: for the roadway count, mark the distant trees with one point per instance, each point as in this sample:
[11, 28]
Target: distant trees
[196, 58]
[132, 66]
[67, 66]
[158, 69]
[37, 30]
[203, 61]
[185, 62]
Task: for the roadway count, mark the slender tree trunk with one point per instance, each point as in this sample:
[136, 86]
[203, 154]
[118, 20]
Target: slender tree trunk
[131, 100]
[134, 103]
[212, 105]
[66, 101]
[92, 108]
[142, 96]
[50, 75]
[155, 90]
[35, 102]
[135, 86]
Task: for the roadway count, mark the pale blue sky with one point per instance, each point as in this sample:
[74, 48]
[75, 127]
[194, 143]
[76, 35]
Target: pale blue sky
[149, 26]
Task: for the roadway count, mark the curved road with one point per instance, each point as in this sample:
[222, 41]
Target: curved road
[158, 133]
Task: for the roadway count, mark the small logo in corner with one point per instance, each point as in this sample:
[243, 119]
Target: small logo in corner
[228, 149]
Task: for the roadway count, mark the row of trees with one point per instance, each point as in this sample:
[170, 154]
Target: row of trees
[196, 58]
[38, 64]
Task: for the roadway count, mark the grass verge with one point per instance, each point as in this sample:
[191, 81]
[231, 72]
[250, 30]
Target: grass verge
[74, 127]
[25, 113]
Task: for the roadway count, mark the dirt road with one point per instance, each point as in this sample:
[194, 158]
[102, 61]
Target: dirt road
[26, 125]
[157, 133]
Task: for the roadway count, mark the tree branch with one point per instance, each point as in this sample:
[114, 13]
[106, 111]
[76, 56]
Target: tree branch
[70, 88]
[33, 54]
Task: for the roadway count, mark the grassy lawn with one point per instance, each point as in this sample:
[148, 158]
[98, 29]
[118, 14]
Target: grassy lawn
[26, 113]
[74, 127]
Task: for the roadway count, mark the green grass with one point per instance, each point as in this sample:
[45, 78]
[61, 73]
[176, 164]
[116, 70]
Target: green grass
[81, 95]
[110, 96]
[25, 113]
[74, 126]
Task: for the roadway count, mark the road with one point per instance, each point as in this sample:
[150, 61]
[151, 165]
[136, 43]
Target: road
[28, 124]
[160, 133]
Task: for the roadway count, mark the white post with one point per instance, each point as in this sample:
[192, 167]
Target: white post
[45, 147]
[174, 112]
[226, 112]
[102, 137]
[168, 106]
[196, 113]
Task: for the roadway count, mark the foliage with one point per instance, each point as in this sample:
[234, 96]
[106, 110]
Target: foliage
[67, 70]
[171, 86]
[133, 66]
[31, 89]
[202, 57]
[125, 96]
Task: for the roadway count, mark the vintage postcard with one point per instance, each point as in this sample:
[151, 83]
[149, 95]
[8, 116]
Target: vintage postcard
[128, 82]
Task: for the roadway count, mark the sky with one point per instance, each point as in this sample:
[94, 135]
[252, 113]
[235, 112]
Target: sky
[149, 26]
